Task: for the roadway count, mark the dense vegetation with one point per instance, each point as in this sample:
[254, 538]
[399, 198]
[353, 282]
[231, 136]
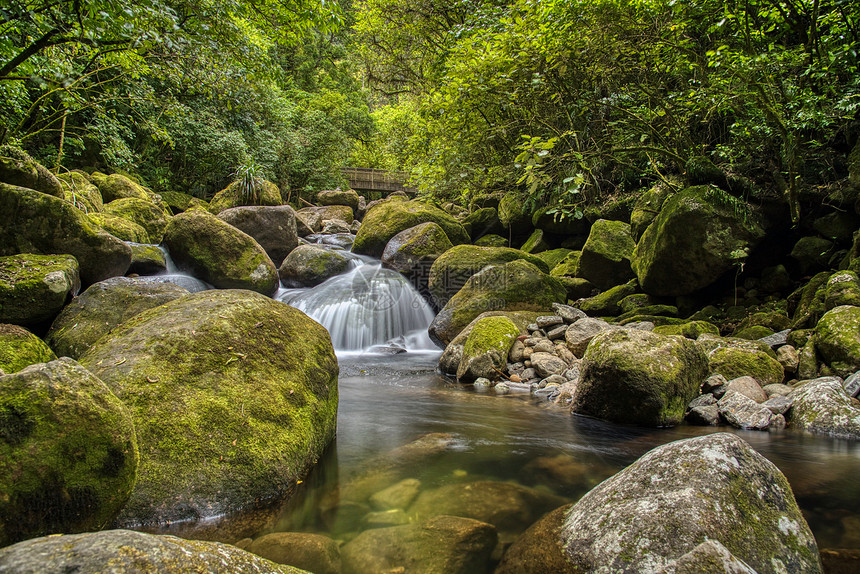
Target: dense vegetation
[563, 101]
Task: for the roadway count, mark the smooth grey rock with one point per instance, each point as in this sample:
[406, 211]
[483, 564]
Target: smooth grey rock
[703, 401]
[777, 389]
[545, 321]
[777, 404]
[748, 387]
[709, 557]
[789, 358]
[546, 364]
[821, 406]
[568, 313]
[707, 415]
[580, 334]
[777, 339]
[742, 412]
[557, 332]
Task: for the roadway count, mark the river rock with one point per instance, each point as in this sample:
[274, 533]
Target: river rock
[273, 227]
[312, 552]
[310, 265]
[843, 288]
[748, 387]
[707, 415]
[546, 364]
[130, 553]
[218, 253]
[733, 363]
[18, 168]
[33, 222]
[335, 226]
[450, 359]
[606, 303]
[647, 207]
[388, 218]
[329, 212]
[234, 195]
[117, 186]
[454, 267]
[80, 192]
[234, 398]
[514, 286]
[580, 334]
[486, 349]
[821, 406]
[743, 412]
[34, 288]
[778, 404]
[679, 495]
[69, 452]
[483, 222]
[119, 227]
[837, 339]
[20, 348]
[147, 260]
[605, 258]
[439, 545]
[812, 254]
[694, 239]
[789, 358]
[539, 548]
[308, 223]
[103, 306]
[150, 216]
[347, 197]
[639, 377]
[413, 251]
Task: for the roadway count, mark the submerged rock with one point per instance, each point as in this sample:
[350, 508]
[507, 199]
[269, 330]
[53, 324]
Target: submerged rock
[312, 552]
[34, 288]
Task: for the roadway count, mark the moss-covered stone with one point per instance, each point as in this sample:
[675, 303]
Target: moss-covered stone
[515, 286]
[639, 377]
[554, 223]
[553, 257]
[657, 320]
[310, 265]
[484, 221]
[103, 306]
[33, 222]
[605, 257]
[20, 348]
[33, 288]
[233, 196]
[539, 548]
[821, 406]
[485, 351]
[322, 213]
[492, 241]
[513, 214]
[388, 218]
[810, 301]
[415, 249]
[119, 227]
[733, 363]
[450, 359]
[837, 339]
[606, 303]
[273, 227]
[18, 168]
[68, 451]
[812, 253]
[452, 269]
[700, 233]
[568, 266]
[577, 287]
[690, 329]
[347, 197]
[218, 253]
[753, 332]
[636, 301]
[843, 288]
[700, 170]
[118, 186]
[147, 259]
[234, 397]
[651, 311]
[177, 201]
[772, 320]
[647, 207]
[709, 343]
[80, 192]
[535, 243]
[838, 226]
[152, 217]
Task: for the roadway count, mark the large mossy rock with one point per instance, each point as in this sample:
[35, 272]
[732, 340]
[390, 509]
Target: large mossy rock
[413, 251]
[681, 494]
[233, 196]
[310, 265]
[117, 186]
[484, 221]
[130, 552]
[347, 197]
[646, 208]
[177, 201]
[234, 398]
[821, 406]
[388, 218]
[605, 257]
[33, 222]
[451, 357]
[514, 216]
[837, 339]
[103, 306]
[639, 377]
[733, 363]
[843, 288]
[80, 192]
[515, 286]
[700, 233]
[20, 348]
[68, 452]
[34, 288]
[151, 216]
[452, 269]
[120, 227]
[551, 222]
[273, 227]
[218, 253]
[485, 352]
[539, 548]
[147, 259]
[18, 168]
[607, 303]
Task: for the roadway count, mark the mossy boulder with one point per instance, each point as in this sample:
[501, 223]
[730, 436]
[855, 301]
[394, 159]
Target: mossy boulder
[120, 227]
[552, 222]
[33, 222]
[34, 288]
[606, 303]
[647, 207]
[821, 406]
[843, 288]
[535, 243]
[568, 266]
[515, 286]
[753, 332]
[310, 265]
[273, 227]
[388, 218]
[837, 339]
[539, 548]
[812, 253]
[332, 212]
[147, 259]
[20, 348]
[690, 329]
[103, 306]
[452, 269]
[553, 257]
[347, 197]
[492, 241]
[413, 251]
[18, 168]
[838, 226]
[80, 192]
[772, 320]
[700, 233]
[485, 352]
[177, 201]
[68, 448]
[218, 253]
[513, 214]
[810, 301]
[732, 363]
[131, 552]
[234, 398]
[151, 216]
[118, 186]
[233, 196]
[639, 377]
[605, 257]
[577, 287]
[484, 221]
[675, 497]
[450, 359]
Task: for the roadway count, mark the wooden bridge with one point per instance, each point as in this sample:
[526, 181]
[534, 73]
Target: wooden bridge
[373, 183]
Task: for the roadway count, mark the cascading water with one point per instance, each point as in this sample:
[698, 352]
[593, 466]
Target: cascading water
[173, 275]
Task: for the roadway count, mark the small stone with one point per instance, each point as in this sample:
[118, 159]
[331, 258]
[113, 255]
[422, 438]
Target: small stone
[703, 401]
[573, 374]
[515, 379]
[778, 405]
[563, 353]
[482, 383]
[532, 327]
[528, 374]
[545, 321]
[852, 385]
[547, 364]
[742, 412]
[789, 358]
[515, 355]
[706, 415]
[748, 387]
[532, 341]
[557, 332]
[568, 313]
[502, 389]
[544, 346]
[777, 422]
[713, 383]
[515, 368]
[553, 380]
[527, 353]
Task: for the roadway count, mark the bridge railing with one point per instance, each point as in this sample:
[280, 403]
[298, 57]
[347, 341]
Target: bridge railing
[365, 179]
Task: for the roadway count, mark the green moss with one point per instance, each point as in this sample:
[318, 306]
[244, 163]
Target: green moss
[837, 339]
[232, 196]
[567, 267]
[553, 257]
[489, 342]
[18, 168]
[689, 329]
[310, 265]
[535, 243]
[513, 214]
[118, 186]
[733, 363]
[753, 333]
[176, 200]
[33, 288]
[388, 218]
[492, 241]
[20, 348]
[120, 227]
[606, 303]
[843, 288]
[150, 216]
[652, 310]
[810, 306]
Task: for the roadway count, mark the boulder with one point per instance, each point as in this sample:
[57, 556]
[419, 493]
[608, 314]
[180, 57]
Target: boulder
[348, 197]
[219, 254]
[236, 194]
[450, 359]
[513, 214]
[606, 303]
[147, 259]
[580, 333]
[567, 267]
[388, 218]
[647, 207]
[34, 288]
[681, 494]
[118, 186]
[733, 363]
[605, 258]
[700, 233]
[103, 306]
[80, 192]
[119, 227]
[307, 223]
[812, 254]
[413, 251]
[69, 452]
[20, 348]
[638, 377]
[310, 265]
[843, 288]
[690, 329]
[810, 306]
[177, 201]
[482, 222]
[273, 227]
[328, 212]
[18, 168]
[539, 548]
[535, 243]
[553, 257]
[130, 553]
[821, 406]
[151, 216]
[312, 552]
[837, 339]
[32, 222]
[454, 267]
[492, 241]
[748, 387]
[234, 398]
[514, 286]
[709, 557]
[742, 412]
[485, 351]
